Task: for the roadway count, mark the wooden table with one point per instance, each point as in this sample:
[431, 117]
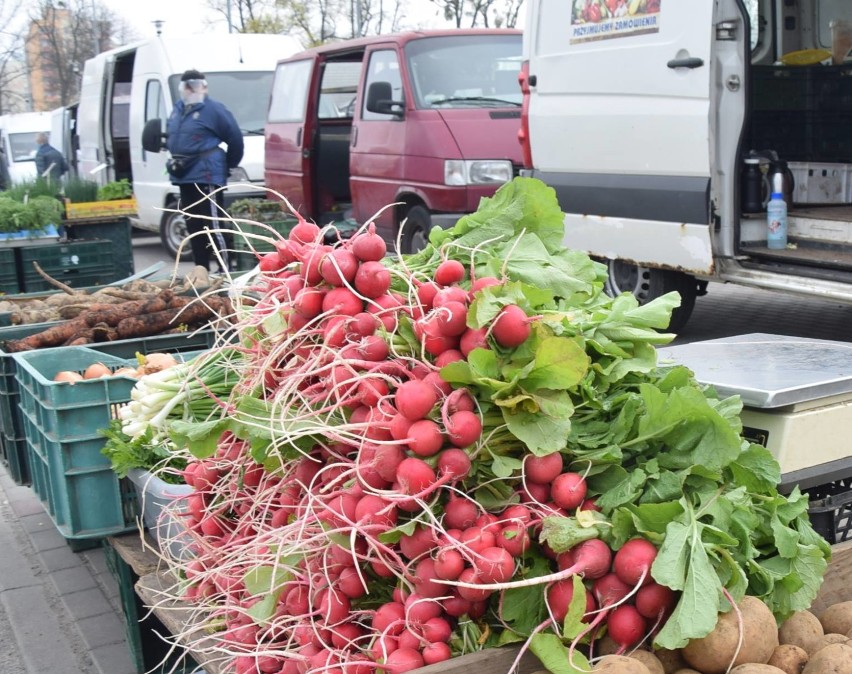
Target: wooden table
[177, 616]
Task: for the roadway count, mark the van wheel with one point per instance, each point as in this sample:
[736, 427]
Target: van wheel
[415, 229]
[173, 232]
[647, 284]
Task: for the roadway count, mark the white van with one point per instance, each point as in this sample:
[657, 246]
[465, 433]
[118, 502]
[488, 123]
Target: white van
[18, 143]
[125, 87]
[641, 115]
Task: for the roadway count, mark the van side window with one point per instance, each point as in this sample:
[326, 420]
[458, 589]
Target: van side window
[384, 67]
[290, 91]
[155, 105]
[338, 88]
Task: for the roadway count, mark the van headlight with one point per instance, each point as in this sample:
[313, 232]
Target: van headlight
[477, 171]
[238, 175]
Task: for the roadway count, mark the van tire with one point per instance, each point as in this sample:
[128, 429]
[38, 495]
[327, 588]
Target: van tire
[415, 229]
[173, 232]
[647, 283]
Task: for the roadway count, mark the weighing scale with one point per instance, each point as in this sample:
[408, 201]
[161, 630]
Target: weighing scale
[796, 393]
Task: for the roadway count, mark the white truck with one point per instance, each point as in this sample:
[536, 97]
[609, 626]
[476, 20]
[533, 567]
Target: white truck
[18, 143]
[641, 114]
[124, 88]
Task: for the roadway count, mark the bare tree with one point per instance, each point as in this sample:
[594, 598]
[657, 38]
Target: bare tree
[483, 13]
[250, 16]
[62, 37]
[12, 70]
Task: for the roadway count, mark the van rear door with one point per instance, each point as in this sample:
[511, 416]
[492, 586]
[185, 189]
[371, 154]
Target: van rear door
[620, 107]
[289, 133]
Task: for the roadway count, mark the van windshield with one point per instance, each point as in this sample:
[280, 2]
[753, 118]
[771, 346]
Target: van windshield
[465, 71]
[245, 94]
[23, 146]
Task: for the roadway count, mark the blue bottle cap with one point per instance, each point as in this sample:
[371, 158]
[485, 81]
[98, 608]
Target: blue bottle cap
[777, 195]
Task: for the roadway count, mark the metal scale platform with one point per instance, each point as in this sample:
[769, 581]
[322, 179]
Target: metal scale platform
[796, 393]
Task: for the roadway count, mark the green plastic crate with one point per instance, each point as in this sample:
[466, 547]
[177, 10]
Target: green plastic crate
[8, 272]
[11, 424]
[247, 248]
[117, 231]
[62, 425]
[75, 263]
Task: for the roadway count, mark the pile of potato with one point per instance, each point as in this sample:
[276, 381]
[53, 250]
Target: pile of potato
[804, 644]
[148, 364]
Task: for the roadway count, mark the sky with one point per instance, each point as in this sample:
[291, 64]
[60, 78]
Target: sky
[193, 16]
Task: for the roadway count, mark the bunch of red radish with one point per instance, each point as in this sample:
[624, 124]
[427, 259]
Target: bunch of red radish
[380, 554]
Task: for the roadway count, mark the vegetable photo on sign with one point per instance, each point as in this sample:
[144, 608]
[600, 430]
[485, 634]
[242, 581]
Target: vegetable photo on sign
[465, 448]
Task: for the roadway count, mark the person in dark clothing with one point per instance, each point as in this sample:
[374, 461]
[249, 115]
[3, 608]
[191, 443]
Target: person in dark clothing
[196, 127]
[50, 164]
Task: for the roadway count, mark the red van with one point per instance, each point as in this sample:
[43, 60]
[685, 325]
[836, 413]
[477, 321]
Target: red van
[427, 121]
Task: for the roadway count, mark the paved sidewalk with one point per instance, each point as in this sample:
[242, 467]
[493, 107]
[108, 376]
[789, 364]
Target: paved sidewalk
[60, 611]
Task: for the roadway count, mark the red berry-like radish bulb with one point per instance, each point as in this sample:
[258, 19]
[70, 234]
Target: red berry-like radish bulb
[542, 469]
[634, 559]
[511, 328]
[568, 490]
[449, 272]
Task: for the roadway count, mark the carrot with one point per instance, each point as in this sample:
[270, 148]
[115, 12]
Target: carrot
[53, 336]
[160, 321]
[113, 315]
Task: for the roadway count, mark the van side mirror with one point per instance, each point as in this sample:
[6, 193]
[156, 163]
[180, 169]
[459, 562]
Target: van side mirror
[380, 100]
[153, 138]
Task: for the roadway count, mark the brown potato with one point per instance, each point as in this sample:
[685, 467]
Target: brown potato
[833, 659]
[620, 664]
[649, 660]
[687, 670]
[755, 668]
[837, 618]
[789, 658]
[802, 629]
[827, 640]
[606, 646]
[671, 660]
[714, 653]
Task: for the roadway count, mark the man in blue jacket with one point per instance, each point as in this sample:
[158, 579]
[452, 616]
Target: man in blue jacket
[199, 167]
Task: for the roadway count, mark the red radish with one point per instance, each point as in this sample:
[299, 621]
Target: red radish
[304, 232]
[403, 660]
[418, 543]
[455, 606]
[350, 583]
[451, 319]
[514, 538]
[424, 580]
[633, 561]
[568, 490]
[435, 345]
[436, 652]
[450, 294]
[386, 459]
[385, 308]
[609, 590]
[473, 339]
[437, 382]
[383, 647]
[372, 510]
[511, 327]
[288, 251]
[415, 399]
[447, 357]
[269, 263]
[372, 279]
[426, 293]
[494, 565]
[626, 626]
[372, 348]
[408, 639]
[449, 272]
[437, 629]
[477, 539]
[342, 301]
[310, 264]
[308, 302]
[399, 426]
[334, 330]
[363, 324]
[338, 267]
[464, 428]
[346, 635]
[414, 476]
[484, 282]
[425, 438]
[449, 564]
[389, 618]
[369, 246]
[469, 575]
[460, 513]
[590, 504]
[559, 597]
[371, 390]
[454, 462]
[420, 609]
[542, 469]
[592, 558]
[654, 600]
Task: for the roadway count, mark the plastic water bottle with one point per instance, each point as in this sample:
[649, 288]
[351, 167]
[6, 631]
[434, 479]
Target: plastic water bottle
[776, 220]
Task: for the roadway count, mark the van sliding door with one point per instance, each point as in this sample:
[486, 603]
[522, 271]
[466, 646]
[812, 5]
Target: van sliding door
[619, 120]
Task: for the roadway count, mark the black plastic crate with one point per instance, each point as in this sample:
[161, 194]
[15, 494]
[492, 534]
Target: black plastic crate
[831, 88]
[780, 88]
[831, 140]
[789, 133]
[830, 510]
[75, 263]
[8, 272]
